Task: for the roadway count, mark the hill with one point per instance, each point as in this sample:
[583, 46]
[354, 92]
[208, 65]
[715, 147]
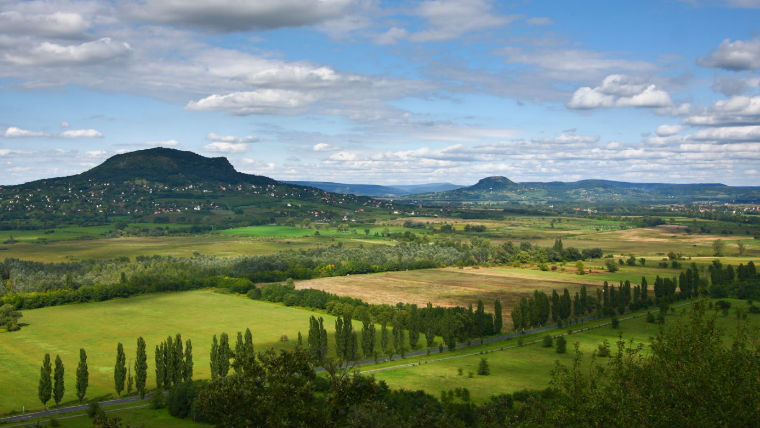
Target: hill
[377, 190]
[168, 185]
[502, 189]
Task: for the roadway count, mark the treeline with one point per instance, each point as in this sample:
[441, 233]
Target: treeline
[457, 324]
[671, 384]
[742, 282]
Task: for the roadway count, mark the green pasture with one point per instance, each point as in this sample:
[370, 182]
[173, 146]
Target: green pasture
[98, 327]
[137, 414]
[528, 366]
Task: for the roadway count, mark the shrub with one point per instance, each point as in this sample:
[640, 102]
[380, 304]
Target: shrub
[604, 349]
[92, 408]
[547, 341]
[483, 368]
[157, 400]
[180, 399]
[561, 345]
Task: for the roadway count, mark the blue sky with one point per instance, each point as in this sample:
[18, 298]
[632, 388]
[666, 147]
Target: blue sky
[366, 91]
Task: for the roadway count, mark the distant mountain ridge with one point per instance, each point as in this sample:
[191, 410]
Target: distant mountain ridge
[167, 182]
[502, 189]
[377, 190]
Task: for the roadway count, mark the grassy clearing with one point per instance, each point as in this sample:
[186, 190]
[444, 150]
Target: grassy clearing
[443, 287]
[98, 327]
[520, 367]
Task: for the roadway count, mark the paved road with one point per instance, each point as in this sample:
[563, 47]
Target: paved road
[64, 410]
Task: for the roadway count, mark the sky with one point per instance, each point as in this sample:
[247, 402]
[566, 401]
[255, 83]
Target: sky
[387, 92]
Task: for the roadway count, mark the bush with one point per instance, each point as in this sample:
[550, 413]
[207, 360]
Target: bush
[483, 368]
[93, 408]
[561, 345]
[180, 399]
[604, 349]
[547, 341]
[157, 400]
[650, 317]
[611, 265]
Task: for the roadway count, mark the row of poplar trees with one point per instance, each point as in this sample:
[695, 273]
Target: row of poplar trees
[51, 384]
[173, 364]
[223, 357]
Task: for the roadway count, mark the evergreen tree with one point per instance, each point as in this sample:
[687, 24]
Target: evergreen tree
[83, 375]
[58, 387]
[384, 338]
[160, 366]
[214, 358]
[45, 387]
[239, 354]
[169, 371]
[187, 376]
[141, 367]
[483, 368]
[224, 355]
[248, 343]
[497, 321]
[179, 360]
[120, 369]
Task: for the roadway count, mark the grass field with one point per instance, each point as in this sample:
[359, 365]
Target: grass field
[98, 327]
[520, 367]
[461, 287]
[133, 414]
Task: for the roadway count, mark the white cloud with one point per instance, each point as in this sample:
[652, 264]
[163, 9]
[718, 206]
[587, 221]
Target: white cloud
[56, 24]
[222, 147]
[81, 133]
[738, 110]
[236, 15]
[733, 133]
[324, 147]
[263, 101]
[391, 37]
[159, 143]
[620, 91]
[48, 53]
[14, 132]
[231, 139]
[668, 130]
[65, 124]
[736, 55]
[449, 19]
[568, 138]
[571, 60]
[539, 21]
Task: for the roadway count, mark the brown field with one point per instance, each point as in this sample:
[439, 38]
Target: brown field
[446, 287]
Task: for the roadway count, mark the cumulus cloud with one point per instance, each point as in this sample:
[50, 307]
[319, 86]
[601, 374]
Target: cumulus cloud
[736, 55]
[231, 139]
[732, 133]
[222, 147]
[263, 101]
[668, 130]
[48, 53]
[56, 24]
[324, 147]
[81, 133]
[15, 132]
[737, 111]
[620, 91]
[235, 15]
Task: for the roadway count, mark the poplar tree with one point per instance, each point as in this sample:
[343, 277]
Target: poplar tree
[214, 358]
[83, 375]
[224, 355]
[45, 387]
[130, 379]
[179, 360]
[120, 369]
[169, 371]
[58, 387]
[159, 356]
[497, 321]
[239, 354]
[188, 373]
[141, 367]
[340, 339]
[384, 338]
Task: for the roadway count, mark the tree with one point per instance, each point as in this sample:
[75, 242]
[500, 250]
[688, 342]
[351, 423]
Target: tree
[483, 368]
[58, 387]
[141, 367]
[83, 375]
[224, 355]
[384, 338]
[188, 374]
[120, 370]
[214, 358]
[561, 345]
[580, 267]
[611, 265]
[45, 387]
[179, 360]
[497, 321]
[161, 367]
[718, 246]
[740, 246]
[9, 317]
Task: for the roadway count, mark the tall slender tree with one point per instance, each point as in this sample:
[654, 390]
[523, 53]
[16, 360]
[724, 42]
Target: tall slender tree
[239, 361]
[497, 321]
[58, 387]
[169, 372]
[120, 369]
[141, 367]
[160, 366]
[188, 373]
[83, 375]
[224, 355]
[45, 387]
[179, 360]
[384, 338]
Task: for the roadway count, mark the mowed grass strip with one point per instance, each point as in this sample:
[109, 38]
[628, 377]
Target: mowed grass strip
[98, 327]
